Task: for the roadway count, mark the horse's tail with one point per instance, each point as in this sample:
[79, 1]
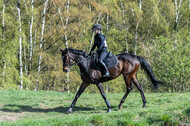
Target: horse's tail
[146, 67]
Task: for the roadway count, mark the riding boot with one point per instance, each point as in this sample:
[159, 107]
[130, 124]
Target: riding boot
[106, 72]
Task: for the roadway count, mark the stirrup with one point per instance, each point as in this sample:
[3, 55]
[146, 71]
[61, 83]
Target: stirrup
[106, 75]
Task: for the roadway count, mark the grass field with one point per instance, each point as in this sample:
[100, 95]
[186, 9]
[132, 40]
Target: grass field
[50, 108]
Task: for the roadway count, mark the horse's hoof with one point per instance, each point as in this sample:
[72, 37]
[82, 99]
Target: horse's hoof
[144, 106]
[109, 110]
[120, 107]
[69, 110]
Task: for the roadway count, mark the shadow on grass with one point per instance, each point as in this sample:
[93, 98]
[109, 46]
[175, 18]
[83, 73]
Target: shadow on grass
[22, 108]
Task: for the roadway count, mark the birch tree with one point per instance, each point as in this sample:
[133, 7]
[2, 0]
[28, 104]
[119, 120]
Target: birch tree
[31, 41]
[137, 25]
[177, 17]
[3, 36]
[41, 42]
[124, 25]
[20, 45]
[66, 44]
[107, 24]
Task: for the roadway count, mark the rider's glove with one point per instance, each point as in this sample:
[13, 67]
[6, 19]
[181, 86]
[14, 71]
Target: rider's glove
[90, 53]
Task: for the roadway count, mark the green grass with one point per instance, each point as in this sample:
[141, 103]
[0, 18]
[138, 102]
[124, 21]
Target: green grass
[42, 108]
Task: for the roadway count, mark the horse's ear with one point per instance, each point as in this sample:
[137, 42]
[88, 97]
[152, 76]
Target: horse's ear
[61, 49]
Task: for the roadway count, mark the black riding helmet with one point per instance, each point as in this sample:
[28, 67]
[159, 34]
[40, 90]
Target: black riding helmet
[97, 26]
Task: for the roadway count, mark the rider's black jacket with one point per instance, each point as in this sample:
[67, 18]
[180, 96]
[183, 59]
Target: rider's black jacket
[100, 42]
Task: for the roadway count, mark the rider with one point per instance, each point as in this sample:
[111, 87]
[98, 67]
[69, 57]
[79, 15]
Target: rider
[100, 42]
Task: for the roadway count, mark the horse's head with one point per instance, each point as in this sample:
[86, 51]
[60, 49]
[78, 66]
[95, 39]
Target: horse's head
[67, 59]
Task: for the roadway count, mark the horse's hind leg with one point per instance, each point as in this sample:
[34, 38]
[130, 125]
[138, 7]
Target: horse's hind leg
[129, 88]
[139, 87]
[81, 89]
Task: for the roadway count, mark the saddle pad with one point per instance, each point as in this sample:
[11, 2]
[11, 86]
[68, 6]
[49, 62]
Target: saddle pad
[110, 61]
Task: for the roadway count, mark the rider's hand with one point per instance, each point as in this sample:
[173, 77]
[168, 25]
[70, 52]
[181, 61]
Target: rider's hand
[90, 53]
[94, 53]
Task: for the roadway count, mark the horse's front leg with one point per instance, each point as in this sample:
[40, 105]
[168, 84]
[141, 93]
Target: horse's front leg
[81, 89]
[100, 87]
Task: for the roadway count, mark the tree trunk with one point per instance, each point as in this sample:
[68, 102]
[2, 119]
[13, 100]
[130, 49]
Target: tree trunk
[66, 23]
[177, 19]
[136, 29]
[107, 24]
[62, 89]
[66, 45]
[25, 61]
[3, 37]
[41, 43]
[34, 42]
[31, 42]
[124, 26]
[20, 45]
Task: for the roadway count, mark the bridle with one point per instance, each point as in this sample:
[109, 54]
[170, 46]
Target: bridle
[68, 64]
[75, 59]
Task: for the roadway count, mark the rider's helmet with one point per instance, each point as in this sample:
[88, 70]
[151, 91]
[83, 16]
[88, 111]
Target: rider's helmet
[97, 26]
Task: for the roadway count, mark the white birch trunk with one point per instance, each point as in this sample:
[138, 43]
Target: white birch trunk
[107, 28]
[60, 16]
[20, 46]
[66, 22]
[90, 7]
[66, 45]
[31, 42]
[124, 26]
[136, 29]
[34, 42]
[67, 79]
[107, 24]
[177, 12]
[3, 37]
[25, 65]
[41, 43]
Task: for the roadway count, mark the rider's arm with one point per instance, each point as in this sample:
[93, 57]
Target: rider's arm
[93, 47]
[102, 39]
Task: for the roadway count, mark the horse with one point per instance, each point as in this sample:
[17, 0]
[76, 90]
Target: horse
[128, 65]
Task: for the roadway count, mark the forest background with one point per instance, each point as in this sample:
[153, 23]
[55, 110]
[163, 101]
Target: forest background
[33, 31]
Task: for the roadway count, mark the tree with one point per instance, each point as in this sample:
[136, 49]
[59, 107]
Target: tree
[3, 36]
[41, 42]
[31, 37]
[20, 45]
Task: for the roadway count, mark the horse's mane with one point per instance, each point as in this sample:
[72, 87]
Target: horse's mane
[78, 52]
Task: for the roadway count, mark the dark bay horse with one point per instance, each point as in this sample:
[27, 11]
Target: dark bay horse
[128, 65]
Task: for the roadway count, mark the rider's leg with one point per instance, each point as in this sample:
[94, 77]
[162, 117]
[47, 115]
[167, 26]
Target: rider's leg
[102, 56]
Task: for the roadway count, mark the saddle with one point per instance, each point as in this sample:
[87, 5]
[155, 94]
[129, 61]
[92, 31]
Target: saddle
[110, 61]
